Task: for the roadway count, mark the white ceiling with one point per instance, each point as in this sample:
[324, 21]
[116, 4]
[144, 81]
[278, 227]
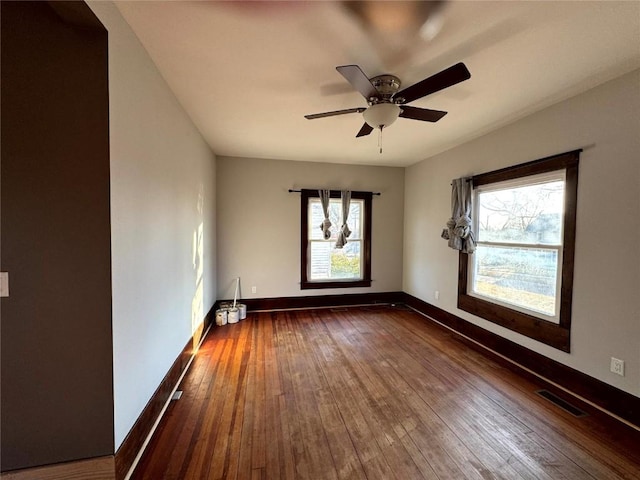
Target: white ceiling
[248, 72]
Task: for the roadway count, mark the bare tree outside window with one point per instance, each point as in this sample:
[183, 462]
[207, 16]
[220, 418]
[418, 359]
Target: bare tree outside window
[531, 214]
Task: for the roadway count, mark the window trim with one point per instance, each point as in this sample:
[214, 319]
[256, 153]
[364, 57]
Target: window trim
[556, 335]
[305, 283]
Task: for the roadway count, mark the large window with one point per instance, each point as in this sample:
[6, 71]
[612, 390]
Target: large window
[323, 265]
[518, 259]
[521, 274]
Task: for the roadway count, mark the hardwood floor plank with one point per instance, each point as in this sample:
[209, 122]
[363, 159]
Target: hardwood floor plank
[307, 383]
[240, 463]
[218, 452]
[258, 439]
[290, 421]
[370, 393]
[271, 410]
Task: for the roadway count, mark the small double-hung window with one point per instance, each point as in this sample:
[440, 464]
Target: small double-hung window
[521, 274]
[322, 264]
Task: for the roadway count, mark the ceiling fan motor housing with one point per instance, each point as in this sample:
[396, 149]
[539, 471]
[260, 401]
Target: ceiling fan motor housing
[387, 86]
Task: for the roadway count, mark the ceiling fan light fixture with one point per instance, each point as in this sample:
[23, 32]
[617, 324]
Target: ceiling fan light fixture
[381, 115]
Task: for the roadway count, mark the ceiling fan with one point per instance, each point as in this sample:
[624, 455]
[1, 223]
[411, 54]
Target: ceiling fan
[386, 103]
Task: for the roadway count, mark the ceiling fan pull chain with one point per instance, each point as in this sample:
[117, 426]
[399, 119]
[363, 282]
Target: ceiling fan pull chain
[380, 139]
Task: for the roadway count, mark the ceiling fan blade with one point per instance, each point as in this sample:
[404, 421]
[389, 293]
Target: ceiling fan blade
[356, 77]
[423, 114]
[334, 113]
[446, 78]
[365, 130]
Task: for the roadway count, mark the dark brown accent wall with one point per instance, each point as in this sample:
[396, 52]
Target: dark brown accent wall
[57, 382]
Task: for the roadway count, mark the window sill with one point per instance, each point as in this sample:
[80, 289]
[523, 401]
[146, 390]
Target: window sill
[548, 333]
[335, 284]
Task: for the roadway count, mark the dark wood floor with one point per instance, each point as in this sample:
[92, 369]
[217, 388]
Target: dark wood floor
[370, 393]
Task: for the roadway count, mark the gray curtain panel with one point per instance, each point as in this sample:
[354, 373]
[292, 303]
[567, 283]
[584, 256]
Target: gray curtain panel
[458, 231]
[326, 223]
[344, 231]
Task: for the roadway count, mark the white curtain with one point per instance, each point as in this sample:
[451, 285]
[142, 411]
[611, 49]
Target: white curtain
[344, 231]
[458, 231]
[326, 223]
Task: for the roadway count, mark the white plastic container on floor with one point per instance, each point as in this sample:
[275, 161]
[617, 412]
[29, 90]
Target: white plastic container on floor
[221, 317]
[233, 315]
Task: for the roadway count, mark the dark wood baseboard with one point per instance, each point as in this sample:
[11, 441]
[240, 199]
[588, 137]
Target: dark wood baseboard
[319, 301]
[134, 441]
[607, 397]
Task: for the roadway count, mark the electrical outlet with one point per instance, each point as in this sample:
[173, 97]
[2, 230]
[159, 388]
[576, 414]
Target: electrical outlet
[254, 289]
[436, 294]
[617, 366]
[4, 284]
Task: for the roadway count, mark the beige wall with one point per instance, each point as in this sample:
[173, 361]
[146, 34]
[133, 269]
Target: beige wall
[606, 123]
[162, 219]
[259, 223]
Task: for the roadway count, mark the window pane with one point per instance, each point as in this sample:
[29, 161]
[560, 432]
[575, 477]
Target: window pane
[524, 277]
[345, 262]
[320, 261]
[354, 220]
[316, 217]
[328, 263]
[529, 214]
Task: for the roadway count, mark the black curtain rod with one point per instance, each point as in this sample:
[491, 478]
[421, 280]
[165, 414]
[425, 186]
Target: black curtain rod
[468, 179]
[298, 191]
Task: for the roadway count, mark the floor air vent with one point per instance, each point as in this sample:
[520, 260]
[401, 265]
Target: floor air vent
[400, 306]
[176, 395]
[575, 411]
